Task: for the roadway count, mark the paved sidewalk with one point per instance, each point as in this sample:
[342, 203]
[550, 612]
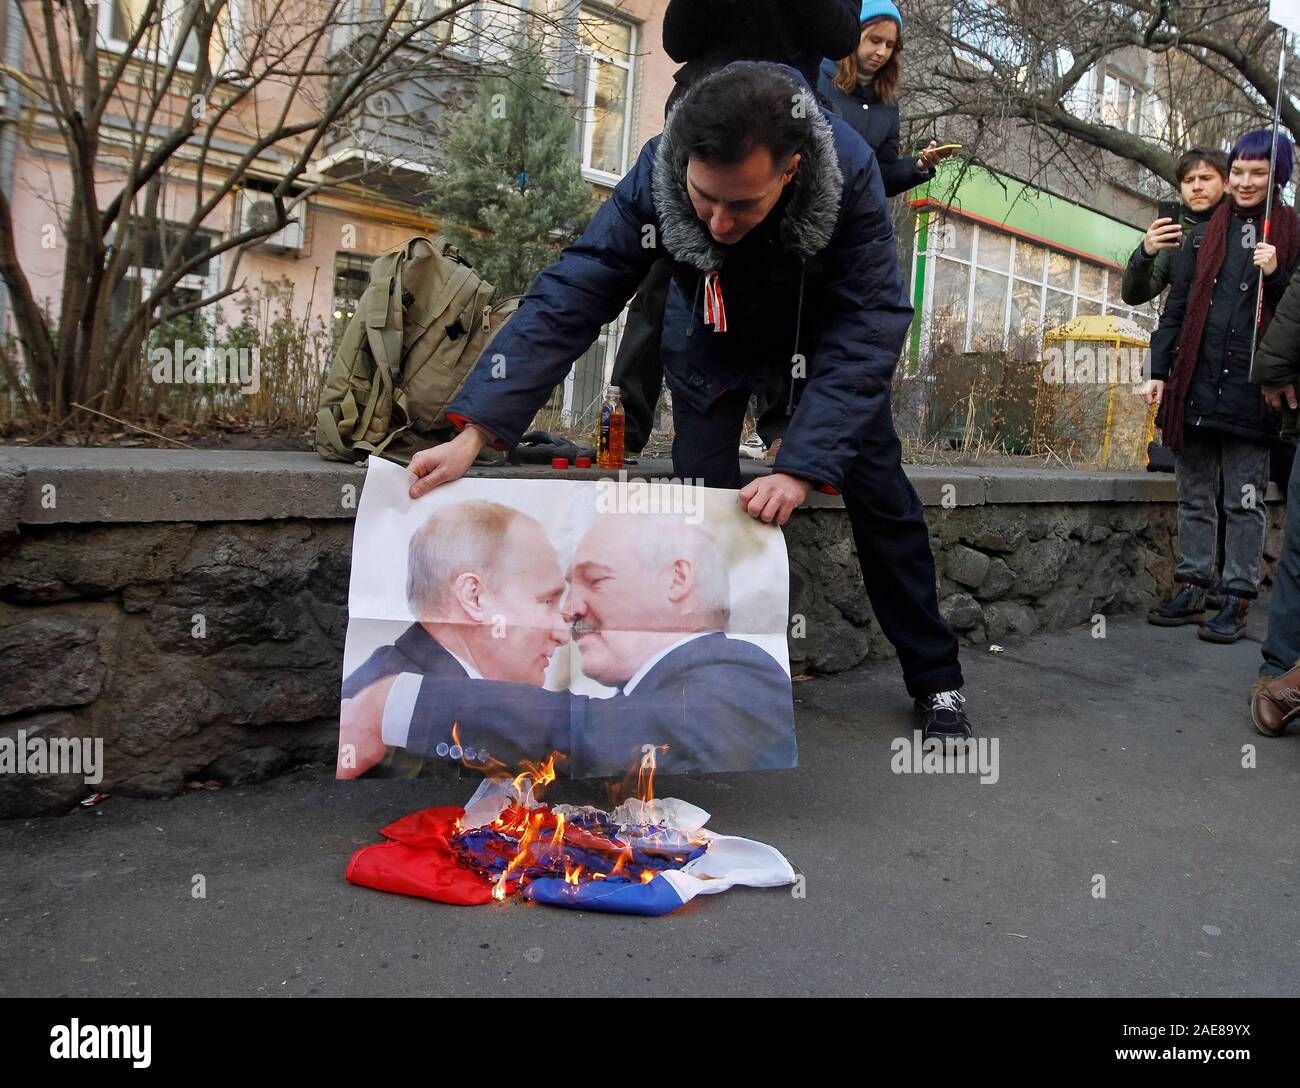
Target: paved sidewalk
[1119, 756]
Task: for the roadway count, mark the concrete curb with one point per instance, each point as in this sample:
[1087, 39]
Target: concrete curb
[56, 485]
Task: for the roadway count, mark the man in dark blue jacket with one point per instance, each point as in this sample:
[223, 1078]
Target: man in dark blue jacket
[773, 214]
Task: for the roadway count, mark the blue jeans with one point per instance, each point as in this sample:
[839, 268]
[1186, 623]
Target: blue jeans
[1282, 646]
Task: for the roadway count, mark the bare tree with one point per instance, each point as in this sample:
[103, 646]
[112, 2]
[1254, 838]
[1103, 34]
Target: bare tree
[1038, 66]
[187, 108]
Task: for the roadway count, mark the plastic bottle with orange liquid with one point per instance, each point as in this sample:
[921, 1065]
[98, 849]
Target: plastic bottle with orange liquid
[609, 448]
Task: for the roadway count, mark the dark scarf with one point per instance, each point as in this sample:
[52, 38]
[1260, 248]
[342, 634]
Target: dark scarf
[1284, 233]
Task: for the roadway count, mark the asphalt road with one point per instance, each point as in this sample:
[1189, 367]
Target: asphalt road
[1118, 757]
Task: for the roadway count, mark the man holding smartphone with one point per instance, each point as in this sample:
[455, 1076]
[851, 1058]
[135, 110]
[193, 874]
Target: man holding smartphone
[1202, 176]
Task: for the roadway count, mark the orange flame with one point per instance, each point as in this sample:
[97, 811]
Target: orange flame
[647, 875]
[499, 889]
[645, 775]
[572, 877]
[536, 775]
[622, 861]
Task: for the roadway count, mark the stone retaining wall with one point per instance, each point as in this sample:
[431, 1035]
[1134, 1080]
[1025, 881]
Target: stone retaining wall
[112, 562]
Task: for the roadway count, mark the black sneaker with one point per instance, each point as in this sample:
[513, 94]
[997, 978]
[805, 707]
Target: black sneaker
[1186, 606]
[1230, 624]
[943, 719]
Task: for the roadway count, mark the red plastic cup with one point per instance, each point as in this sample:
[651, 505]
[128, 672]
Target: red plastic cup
[582, 462]
[559, 462]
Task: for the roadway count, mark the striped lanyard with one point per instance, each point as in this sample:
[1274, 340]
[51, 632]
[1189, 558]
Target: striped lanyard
[715, 313]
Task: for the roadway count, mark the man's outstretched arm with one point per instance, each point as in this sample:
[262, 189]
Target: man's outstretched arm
[559, 318]
[564, 310]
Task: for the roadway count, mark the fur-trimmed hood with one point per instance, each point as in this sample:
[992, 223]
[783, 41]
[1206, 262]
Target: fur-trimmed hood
[810, 214]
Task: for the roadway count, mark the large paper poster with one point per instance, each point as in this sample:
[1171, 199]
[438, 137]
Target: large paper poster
[495, 622]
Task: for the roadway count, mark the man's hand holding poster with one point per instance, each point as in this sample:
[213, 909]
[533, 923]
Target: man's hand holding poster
[497, 621]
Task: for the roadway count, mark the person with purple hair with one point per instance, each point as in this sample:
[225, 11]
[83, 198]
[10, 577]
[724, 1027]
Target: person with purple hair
[1218, 425]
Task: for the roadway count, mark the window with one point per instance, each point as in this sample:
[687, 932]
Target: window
[1120, 101]
[988, 311]
[157, 244]
[497, 27]
[605, 77]
[1090, 277]
[119, 19]
[984, 27]
[1081, 98]
[994, 250]
[949, 308]
[973, 304]
[951, 237]
[351, 274]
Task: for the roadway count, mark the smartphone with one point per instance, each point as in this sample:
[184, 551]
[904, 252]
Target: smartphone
[1169, 209]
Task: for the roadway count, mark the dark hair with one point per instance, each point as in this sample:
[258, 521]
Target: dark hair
[1193, 156]
[747, 104]
[886, 78]
[1258, 144]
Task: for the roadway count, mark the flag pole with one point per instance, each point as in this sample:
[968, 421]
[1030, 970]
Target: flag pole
[1268, 199]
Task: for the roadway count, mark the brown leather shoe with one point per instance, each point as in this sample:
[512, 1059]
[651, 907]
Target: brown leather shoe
[1275, 701]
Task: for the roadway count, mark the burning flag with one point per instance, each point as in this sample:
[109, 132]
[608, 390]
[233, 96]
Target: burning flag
[646, 856]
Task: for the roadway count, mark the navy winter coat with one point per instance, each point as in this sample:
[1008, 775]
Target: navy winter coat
[818, 279]
[877, 123]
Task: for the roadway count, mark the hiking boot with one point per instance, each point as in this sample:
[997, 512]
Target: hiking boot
[1230, 622]
[943, 719]
[1275, 701]
[1186, 606]
[1214, 600]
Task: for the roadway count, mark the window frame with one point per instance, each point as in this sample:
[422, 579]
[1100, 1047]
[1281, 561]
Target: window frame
[227, 37]
[628, 64]
[1041, 282]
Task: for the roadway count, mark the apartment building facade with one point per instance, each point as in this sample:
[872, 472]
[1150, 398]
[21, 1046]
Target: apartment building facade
[375, 165]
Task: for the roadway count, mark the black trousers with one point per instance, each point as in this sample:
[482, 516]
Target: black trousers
[888, 527]
[637, 371]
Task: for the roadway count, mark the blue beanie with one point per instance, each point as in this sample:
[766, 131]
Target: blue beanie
[874, 9]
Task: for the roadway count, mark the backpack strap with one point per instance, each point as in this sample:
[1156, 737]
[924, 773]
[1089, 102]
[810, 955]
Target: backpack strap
[399, 401]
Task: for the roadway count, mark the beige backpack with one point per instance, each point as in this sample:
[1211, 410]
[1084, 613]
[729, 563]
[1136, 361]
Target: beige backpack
[420, 326]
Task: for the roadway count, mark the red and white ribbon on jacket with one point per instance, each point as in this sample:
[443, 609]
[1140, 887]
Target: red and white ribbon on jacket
[715, 313]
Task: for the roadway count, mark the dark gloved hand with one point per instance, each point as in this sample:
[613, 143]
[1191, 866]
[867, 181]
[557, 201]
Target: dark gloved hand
[538, 447]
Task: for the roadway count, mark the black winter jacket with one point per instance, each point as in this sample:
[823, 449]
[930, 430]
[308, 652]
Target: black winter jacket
[704, 35]
[1277, 360]
[877, 123]
[1145, 277]
[1221, 396]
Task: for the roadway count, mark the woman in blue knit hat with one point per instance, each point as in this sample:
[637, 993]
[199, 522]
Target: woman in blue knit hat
[861, 88]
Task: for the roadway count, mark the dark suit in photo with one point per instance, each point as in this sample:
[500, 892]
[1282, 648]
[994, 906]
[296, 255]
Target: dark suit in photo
[719, 703]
